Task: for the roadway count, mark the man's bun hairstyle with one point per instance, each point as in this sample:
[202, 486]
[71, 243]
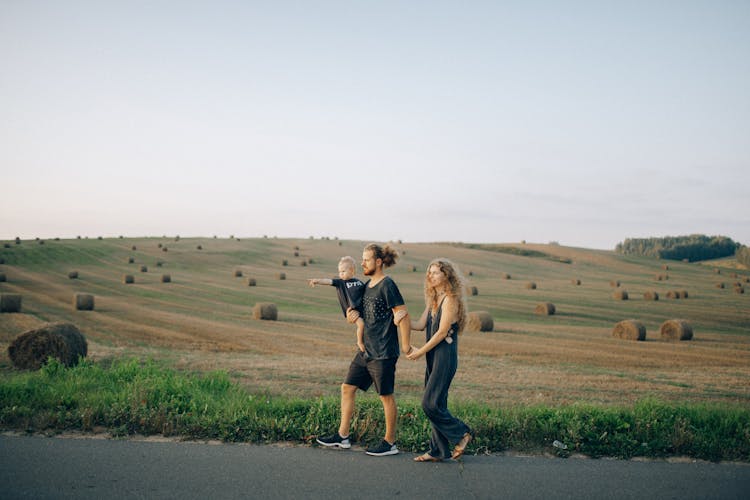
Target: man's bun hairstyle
[387, 254]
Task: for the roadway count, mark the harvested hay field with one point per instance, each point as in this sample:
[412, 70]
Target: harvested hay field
[204, 320]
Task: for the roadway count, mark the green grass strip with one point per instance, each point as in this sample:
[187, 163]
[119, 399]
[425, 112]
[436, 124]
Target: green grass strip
[146, 397]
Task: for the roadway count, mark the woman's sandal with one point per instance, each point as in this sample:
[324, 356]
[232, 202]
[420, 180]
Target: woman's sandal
[427, 458]
[459, 449]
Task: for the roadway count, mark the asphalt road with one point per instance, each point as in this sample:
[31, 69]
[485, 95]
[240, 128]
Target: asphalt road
[40, 467]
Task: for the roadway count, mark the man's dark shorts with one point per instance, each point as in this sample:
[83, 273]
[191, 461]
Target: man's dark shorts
[381, 372]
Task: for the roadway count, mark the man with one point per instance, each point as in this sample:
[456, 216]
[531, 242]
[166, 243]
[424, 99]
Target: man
[386, 325]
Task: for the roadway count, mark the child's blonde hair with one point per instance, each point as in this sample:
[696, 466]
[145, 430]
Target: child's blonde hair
[349, 261]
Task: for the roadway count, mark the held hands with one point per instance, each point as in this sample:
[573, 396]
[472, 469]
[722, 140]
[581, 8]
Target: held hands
[414, 353]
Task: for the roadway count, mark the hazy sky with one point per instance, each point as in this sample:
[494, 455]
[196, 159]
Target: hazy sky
[578, 122]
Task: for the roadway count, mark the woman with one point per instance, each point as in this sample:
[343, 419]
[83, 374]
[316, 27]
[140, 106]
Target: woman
[443, 318]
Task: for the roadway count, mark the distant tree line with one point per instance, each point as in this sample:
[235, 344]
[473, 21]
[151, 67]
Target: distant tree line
[743, 255]
[694, 247]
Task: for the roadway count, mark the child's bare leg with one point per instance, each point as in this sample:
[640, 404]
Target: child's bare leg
[361, 334]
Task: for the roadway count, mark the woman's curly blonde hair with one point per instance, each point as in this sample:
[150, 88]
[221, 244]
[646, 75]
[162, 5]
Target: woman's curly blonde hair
[456, 285]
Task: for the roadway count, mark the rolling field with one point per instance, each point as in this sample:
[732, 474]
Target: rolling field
[202, 319]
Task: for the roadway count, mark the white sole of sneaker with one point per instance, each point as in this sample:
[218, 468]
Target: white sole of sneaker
[334, 445]
[384, 454]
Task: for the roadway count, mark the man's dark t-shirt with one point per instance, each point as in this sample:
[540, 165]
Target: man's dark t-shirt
[381, 335]
[350, 293]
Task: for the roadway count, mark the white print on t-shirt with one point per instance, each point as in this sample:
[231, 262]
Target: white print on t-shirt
[350, 284]
[375, 308]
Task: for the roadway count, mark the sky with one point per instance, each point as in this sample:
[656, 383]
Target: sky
[578, 122]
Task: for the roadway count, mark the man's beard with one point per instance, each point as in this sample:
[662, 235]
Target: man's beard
[369, 272]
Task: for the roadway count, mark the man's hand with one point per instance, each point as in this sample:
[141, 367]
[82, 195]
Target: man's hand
[352, 315]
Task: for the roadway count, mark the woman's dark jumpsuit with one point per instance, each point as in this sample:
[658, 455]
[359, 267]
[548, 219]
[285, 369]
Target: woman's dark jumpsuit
[442, 362]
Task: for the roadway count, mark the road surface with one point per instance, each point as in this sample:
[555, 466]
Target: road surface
[41, 467]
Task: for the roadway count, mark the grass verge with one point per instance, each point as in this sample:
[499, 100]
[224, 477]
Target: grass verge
[135, 397]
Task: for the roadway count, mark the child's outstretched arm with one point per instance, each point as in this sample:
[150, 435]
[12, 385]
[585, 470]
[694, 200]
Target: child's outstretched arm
[319, 281]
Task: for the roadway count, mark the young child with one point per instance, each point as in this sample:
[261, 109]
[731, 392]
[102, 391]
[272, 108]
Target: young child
[350, 291]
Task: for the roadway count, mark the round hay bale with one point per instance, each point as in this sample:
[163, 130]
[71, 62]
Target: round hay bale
[614, 283]
[414, 269]
[166, 278]
[10, 302]
[265, 310]
[284, 262]
[3, 278]
[134, 248]
[719, 285]
[128, 279]
[303, 263]
[159, 263]
[199, 247]
[238, 273]
[717, 271]
[282, 276]
[159, 245]
[651, 295]
[471, 273]
[473, 290]
[676, 329]
[83, 302]
[747, 280]
[620, 295]
[665, 267]
[296, 254]
[131, 260]
[251, 282]
[576, 281]
[545, 309]
[479, 321]
[506, 276]
[682, 294]
[144, 269]
[530, 285]
[311, 260]
[629, 329]
[165, 249]
[739, 289]
[30, 350]
[673, 294]
[73, 275]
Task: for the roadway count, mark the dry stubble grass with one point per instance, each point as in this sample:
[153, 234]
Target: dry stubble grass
[203, 319]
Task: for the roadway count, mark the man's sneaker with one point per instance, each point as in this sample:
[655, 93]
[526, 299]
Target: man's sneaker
[335, 441]
[383, 449]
